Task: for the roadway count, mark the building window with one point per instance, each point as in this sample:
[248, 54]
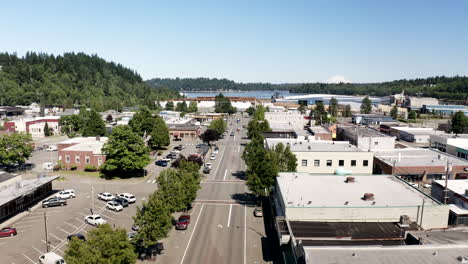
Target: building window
[87, 160]
[353, 163]
[304, 163]
[341, 163]
[329, 163]
[376, 143]
[77, 159]
[317, 163]
[365, 163]
[67, 158]
[99, 161]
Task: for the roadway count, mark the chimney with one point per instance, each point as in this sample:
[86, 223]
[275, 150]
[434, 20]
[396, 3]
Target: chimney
[349, 179]
[368, 197]
[98, 138]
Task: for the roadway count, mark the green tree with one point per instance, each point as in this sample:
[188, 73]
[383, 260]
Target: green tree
[347, 111]
[71, 125]
[170, 106]
[46, 130]
[104, 245]
[250, 110]
[287, 161]
[319, 114]
[366, 105]
[333, 107]
[459, 123]
[394, 112]
[181, 107]
[15, 148]
[218, 125]
[223, 105]
[193, 107]
[412, 114]
[262, 172]
[159, 134]
[259, 113]
[126, 154]
[109, 118]
[93, 124]
[142, 122]
[210, 135]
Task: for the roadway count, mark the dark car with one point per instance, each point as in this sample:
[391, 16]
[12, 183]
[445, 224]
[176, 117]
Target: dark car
[177, 139]
[232, 134]
[54, 201]
[206, 170]
[8, 231]
[77, 236]
[183, 222]
[162, 163]
[122, 201]
[171, 156]
[180, 147]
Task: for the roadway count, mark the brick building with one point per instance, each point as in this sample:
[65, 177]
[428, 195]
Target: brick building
[34, 125]
[82, 151]
[184, 132]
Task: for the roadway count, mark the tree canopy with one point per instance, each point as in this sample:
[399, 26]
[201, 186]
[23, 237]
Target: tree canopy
[218, 125]
[15, 148]
[93, 125]
[459, 123]
[366, 105]
[223, 105]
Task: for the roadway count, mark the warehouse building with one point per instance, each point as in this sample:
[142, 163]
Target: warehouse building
[365, 138]
[419, 135]
[457, 198]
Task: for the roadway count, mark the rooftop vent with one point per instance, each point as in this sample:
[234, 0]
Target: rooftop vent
[349, 179]
[309, 147]
[368, 197]
[346, 203]
[405, 220]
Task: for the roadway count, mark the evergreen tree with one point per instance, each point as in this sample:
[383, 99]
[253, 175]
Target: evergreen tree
[366, 105]
[142, 122]
[394, 112]
[170, 106]
[109, 118]
[218, 125]
[347, 111]
[46, 130]
[72, 125]
[193, 107]
[412, 114]
[333, 107]
[459, 123]
[159, 134]
[181, 107]
[93, 124]
[287, 161]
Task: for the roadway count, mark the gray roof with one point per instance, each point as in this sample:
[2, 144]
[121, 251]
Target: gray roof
[21, 188]
[411, 157]
[298, 145]
[427, 254]
[5, 176]
[363, 131]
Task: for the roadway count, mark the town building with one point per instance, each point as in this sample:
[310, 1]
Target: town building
[166, 114]
[321, 133]
[456, 196]
[326, 157]
[371, 119]
[82, 152]
[294, 118]
[365, 138]
[34, 125]
[18, 194]
[281, 130]
[419, 164]
[386, 109]
[417, 103]
[8, 111]
[419, 135]
[184, 131]
[453, 144]
[444, 109]
[208, 103]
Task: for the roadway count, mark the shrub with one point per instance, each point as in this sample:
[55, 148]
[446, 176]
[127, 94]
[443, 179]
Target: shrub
[90, 168]
[73, 167]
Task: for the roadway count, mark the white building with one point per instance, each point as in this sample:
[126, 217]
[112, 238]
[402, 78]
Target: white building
[208, 103]
[420, 135]
[451, 143]
[365, 138]
[294, 118]
[416, 103]
[373, 198]
[34, 125]
[326, 157]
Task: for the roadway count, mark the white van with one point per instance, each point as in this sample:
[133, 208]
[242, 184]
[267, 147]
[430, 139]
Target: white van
[52, 148]
[51, 258]
[47, 166]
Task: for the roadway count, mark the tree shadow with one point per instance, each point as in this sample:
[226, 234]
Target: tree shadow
[239, 175]
[247, 199]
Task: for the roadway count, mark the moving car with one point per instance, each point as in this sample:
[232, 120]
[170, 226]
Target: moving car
[8, 232]
[208, 165]
[105, 196]
[232, 134]
[238, 129]
[179, 147]
[122, 201]
[183, 222]
[54, 201]
[258, 212]
[51, 258]
[95, 220]
[162, 162]
[114, 206]
[128, 196]
[206, 170]
[66, 194]
[77, 236]
[216, 150]
[213, 157]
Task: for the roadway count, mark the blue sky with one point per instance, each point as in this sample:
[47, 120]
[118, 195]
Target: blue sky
[251, 41]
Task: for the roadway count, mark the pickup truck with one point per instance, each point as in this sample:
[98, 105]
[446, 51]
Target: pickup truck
[54, 201]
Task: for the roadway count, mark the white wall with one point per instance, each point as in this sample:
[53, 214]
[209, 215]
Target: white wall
[376, 143]
[296, 119]
[335, 157]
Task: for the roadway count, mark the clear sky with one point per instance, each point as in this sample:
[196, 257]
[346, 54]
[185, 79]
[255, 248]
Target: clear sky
[253, 40]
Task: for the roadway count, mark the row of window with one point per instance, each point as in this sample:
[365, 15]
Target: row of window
[329, 163]
[77, 159]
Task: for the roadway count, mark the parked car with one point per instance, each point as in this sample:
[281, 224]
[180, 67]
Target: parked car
[130, 235]
[122, 201]
[95, 220]
[179, 147]
[105, 196]
[232, 134]
[66, 194]
[183, 222]
[175, 151]
[135, 228]
[258, 212]
[51, 258]
[54, 201]
[8, 232]
[171, 156]
[206, 170]
[77, 236]
[162, 162]
[208, 165]
[128, 196]
[213, 157]
[216, 150]
[114, 206]
[177, 139]
[238, 129]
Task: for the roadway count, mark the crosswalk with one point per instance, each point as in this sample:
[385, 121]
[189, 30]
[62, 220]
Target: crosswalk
[151, 181]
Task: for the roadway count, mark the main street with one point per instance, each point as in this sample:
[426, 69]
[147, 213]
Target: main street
[223, 228]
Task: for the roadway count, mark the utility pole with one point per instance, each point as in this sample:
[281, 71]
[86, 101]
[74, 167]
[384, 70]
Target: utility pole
[446, 182]
[46, 233]
[92, 197]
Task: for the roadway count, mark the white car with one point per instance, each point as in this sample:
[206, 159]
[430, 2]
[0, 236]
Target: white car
[128, 196]
[175, 151]
[216, 150]
[208, 165]
[213, 157]
[66, 194]
[114, 206]
[95, 220]
[105, 196]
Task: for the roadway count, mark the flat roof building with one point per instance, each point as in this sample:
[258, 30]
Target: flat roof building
[420, 135]
[365, 138]
[457, 197]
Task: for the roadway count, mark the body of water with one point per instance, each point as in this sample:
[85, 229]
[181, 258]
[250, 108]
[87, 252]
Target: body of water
[256, 94]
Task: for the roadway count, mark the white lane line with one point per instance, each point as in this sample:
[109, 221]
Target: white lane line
[40, 252]
[66, 232]
[229, 217]
[153, 181]
[148, 181]
[42, 212]
[56, 237]
[238, 149]
[29, 258]
[245, 234]
[219, 163]
[71, 225]
[191, 235]
[22, 226]
[107, 216]
[60, 250]
[82, 214]
[225, 173]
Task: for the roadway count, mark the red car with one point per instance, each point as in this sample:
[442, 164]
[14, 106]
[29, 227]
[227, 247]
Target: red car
[8, 231]
[183, 222]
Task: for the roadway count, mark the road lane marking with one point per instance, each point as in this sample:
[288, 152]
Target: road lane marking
[40, 252]
[229, 217]
[153, 181]
[22, 226]
[191, 235]
[245, 234]
[30, 221]
[29, 258]
[148, 181]
[219, 163]
[238, 149]
[225, 173]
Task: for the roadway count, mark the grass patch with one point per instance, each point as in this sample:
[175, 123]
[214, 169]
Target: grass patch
[79, 173]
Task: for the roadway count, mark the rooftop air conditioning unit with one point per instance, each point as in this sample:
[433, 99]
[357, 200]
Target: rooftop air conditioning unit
[368, 197]
[405, 220]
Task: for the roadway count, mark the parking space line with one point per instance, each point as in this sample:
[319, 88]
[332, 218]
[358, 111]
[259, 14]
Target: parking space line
[66, 232]
[112, 212]
[59, 250]
[153, 181]
[29, 258]
[225, 173]
[77, 219]
[229, 217]
[71, 225]
[107, 216]
[31, 221]
[42, 211]
[56, 237]
[82, 213]
[148, 181]
[23, 226]
[40, 252]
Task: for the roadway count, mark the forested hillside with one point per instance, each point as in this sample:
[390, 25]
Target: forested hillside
[450, 88]
[73, 79]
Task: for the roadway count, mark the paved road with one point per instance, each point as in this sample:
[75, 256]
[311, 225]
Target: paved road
[223, 228]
